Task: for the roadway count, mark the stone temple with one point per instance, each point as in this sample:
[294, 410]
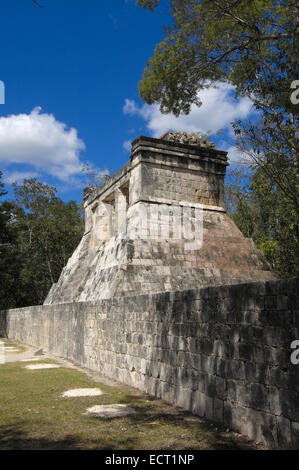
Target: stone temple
[159, 224]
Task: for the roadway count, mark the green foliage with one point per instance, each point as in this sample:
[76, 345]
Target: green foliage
[41, 232]
[263, 212]
[95, 178]
[252, 44]
[9, 256]
[2, 191]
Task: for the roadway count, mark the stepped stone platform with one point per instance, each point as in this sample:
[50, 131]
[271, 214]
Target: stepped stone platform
[159, 224]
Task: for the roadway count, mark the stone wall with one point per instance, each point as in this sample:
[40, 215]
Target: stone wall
[221, 352]
[159, 225]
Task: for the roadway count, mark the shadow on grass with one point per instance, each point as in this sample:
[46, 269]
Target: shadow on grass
[14, 437]
[201, 429]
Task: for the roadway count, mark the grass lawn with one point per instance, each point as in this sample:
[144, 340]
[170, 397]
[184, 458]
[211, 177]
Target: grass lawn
[33, 415]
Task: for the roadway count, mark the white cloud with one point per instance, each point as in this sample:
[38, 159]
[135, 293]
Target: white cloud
[19, 176]
[130, 107]
[127, 144]
[113, 21]
[219, 108]
[39, 140]
[236, 156]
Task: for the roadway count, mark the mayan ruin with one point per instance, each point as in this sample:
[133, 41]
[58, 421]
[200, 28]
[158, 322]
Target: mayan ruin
[136, 236]
[149, 229]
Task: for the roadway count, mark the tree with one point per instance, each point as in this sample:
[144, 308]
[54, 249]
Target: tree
[49, 231]
[250, 43]
[42, 233]
[253, 44]
[3, 221]
[263, 213]
[9, 256]
[95, 178]
[37, 4]
[2, 190]
[238, 200]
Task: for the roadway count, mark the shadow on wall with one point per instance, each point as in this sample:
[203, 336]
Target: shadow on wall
[3, 324]
[223, 353]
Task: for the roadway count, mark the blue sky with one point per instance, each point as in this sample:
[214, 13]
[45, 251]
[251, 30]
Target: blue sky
[71, 73]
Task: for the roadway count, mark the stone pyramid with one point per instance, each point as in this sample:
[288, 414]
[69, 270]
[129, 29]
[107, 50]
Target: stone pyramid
[159, 224]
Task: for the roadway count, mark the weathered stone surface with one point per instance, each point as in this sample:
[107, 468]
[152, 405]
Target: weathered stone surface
[159, 224]
[82, 392]
[163, 345]
[184, 138]
[110, 411]
[42, 366]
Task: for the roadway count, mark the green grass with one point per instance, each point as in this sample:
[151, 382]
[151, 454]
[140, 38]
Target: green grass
[34, 416]
[20, 348]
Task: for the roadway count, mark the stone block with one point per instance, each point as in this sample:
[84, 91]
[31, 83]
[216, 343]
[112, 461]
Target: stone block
[210, 385]
[221, 388]
[218, 411]
[284, 433]
[245, 352]
[168, 392]
[232, 391]
[259, 399]
[236, 369]
[222, 367]
[255, 372]
[295, 435]
[183, 398]
[256, 395]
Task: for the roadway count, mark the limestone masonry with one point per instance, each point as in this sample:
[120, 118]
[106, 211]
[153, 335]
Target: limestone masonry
[222, 352]
[159, 224]
[202, 335]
